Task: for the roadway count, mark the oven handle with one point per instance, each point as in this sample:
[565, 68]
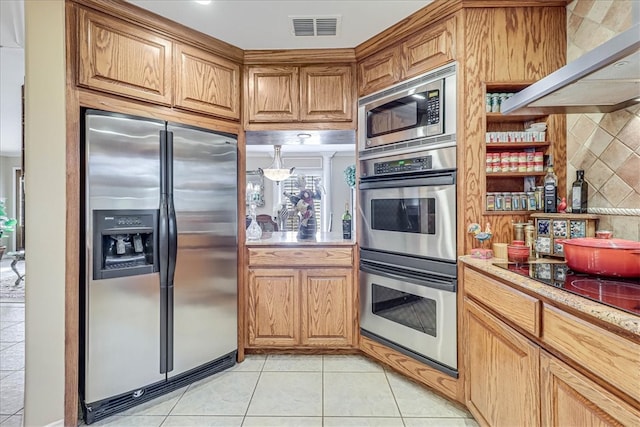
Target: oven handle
[406, 275]
[396, 182]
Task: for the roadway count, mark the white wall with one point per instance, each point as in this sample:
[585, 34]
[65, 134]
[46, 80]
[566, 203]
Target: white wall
[11, 80]
[7, 165]
[45, 211]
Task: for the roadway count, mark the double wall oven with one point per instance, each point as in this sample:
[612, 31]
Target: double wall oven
[407, 212]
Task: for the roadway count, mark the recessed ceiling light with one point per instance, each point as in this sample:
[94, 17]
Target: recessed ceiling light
[203, 1]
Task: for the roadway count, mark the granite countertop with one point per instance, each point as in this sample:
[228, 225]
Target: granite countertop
[603, 312]
[288, 238]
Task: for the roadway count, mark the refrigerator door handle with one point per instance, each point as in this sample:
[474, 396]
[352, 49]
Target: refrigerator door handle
[163, 249]
[173, 249]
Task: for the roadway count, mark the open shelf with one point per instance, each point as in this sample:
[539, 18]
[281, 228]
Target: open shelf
[501, 118]
[503, 145]
[514, 174]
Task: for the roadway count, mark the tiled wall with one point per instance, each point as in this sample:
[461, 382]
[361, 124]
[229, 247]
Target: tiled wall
[606, 146]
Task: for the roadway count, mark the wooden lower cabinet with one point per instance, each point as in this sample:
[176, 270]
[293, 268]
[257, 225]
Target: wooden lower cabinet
[274, 307]
[502, 380]
[570, 399]
[300, 307]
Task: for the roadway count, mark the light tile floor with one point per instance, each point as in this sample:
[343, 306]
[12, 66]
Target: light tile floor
[263, 391]
[300, 391]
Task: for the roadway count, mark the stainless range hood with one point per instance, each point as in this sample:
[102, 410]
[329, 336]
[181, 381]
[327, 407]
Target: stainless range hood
[604, 79]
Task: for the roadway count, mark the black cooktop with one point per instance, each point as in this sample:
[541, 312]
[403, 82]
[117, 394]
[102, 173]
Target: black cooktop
[620, 293]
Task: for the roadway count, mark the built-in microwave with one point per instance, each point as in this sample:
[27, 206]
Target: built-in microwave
[413, 109]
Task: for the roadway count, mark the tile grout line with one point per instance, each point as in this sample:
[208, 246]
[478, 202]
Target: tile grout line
[246, 411]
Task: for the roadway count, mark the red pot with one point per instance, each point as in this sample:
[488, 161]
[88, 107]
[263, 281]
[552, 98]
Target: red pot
[605, 257]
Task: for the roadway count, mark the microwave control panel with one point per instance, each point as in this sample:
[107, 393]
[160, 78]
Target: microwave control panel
[415, 164]
[433, 107]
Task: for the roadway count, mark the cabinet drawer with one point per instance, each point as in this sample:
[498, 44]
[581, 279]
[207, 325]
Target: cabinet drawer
[304, 257]
[517, 307]
[611, 357]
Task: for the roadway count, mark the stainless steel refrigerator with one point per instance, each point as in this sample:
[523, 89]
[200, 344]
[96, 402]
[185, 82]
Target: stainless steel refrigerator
[159, 283]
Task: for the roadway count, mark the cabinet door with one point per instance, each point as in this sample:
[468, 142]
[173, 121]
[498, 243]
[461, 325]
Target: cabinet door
[502, 380]
[123, 59]
[326, 93]
[273, 94]
[429, 49]
[570, 399]
[327, 307]
[206, 83]
[273, 312]
[379, 70]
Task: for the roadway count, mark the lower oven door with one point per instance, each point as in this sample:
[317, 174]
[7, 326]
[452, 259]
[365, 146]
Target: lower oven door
[410, 215]
[416, 314]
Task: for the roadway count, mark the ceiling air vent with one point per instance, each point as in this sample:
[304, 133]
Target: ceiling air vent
[315, 26]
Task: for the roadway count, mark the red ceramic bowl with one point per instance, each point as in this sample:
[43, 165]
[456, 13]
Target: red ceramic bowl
[518, 253]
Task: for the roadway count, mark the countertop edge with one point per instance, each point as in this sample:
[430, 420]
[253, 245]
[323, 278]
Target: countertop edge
[626, 321]
[289, 239]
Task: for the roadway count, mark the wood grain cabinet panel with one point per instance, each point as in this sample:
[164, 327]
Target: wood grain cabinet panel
[273, 94]
[326, 93]
[428, 50]
[273, 307]
[571, 399]
[610, 356]
[502, 384]
[301, 297]
[515, 306]
[379, 70]
[327, 301]
[206, 83]
[123, 59]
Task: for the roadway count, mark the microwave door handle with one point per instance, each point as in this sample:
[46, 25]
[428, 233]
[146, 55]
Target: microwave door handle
[443, 285]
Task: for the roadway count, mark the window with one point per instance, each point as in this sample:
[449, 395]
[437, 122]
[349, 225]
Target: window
[290, 185]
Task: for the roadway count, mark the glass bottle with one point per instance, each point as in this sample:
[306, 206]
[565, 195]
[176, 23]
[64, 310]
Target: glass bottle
[550, 189]
[346, 222]
[579, 193]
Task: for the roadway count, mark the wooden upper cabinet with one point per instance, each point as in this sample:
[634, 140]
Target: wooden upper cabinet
[326, 93]
[123, 59]
[428, 50]
[379, 71]
[290, 94]
[206, 83]
[273, 94]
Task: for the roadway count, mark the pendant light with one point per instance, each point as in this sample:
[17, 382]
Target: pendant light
[276, 172]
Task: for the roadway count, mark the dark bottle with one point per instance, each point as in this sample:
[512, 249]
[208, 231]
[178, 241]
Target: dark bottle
[579, 193]
[550, 189]
[346, 222]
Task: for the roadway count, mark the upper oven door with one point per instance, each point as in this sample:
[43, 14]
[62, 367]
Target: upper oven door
[413, 113]
[410, 215]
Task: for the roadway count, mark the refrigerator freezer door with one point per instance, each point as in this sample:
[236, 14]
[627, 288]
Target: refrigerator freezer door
[205, 283]
[122, 321]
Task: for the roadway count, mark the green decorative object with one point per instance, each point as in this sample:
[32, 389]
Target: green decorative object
[6, 224]
[350, 176]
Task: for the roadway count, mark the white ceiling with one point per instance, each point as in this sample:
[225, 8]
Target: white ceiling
[266, 24]
[247, 24]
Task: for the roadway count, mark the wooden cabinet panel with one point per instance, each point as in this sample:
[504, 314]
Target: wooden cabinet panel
[326, 93]
[379, 71]
[517, 307]
[570, 399]
[123, 59]
[273, 307]
[303, 257]
[502, 382]
[611, 357]
[206, 83]
[327, 307]
[429, 49]
[273, 94]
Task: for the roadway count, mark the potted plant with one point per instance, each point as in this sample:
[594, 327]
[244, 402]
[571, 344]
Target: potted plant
[6, 225]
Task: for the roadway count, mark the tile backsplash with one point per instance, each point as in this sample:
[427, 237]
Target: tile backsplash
[606, 146]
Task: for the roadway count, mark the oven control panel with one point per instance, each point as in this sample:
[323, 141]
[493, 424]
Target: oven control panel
[415, 164]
